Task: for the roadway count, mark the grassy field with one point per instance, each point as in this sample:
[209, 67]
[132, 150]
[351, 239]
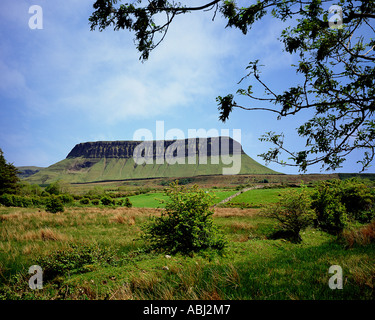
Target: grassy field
[256, 198]
[252, 267]
[152, 200]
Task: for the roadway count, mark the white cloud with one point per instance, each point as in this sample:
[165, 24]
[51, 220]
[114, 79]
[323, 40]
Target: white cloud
[72, 68]
[107, 79]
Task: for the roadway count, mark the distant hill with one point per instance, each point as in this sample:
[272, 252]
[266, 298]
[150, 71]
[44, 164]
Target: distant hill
[117, 160]
[28, 171]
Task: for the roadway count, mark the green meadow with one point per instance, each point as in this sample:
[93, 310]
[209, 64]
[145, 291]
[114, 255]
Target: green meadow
[154, 199]
[256, 198]
[95, 253]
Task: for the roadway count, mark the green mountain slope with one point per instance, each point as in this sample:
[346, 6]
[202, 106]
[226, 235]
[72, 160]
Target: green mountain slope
[121, 169]
[103, 161]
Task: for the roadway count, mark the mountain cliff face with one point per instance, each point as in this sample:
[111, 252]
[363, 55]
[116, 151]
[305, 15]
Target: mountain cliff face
[125, 149]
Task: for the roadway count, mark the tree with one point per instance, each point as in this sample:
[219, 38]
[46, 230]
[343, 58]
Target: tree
[293, 212]
[54, 204]
[8, 176]
[186, 225]
[336, 68]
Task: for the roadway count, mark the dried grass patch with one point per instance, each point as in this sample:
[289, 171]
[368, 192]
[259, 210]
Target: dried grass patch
[235, 212]
[45, 234]
[123, 219]
[362, 236]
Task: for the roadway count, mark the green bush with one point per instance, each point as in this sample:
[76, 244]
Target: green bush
[54, 205]
[84, 201]
[6, 200]
[186, 225]
[54, 188]
[73, 260]
[127, 203]
[95, 202]
[359, 200]
[66, 199]
[337, 203]
[106, 200]
[119, 202]
[39, 201]
[13, 200]
[293, 212]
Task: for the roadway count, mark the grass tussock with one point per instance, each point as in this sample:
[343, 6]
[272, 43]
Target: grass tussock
[44, 234]
[123, 219]
[360, 236]
[235, 212]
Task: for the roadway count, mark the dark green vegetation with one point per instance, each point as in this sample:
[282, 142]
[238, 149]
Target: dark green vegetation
[186, 224]
[8, 176]
[294, 213]
[335, 72]
[97, 252]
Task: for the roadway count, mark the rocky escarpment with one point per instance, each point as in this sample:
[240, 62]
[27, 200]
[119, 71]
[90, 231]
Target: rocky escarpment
[125, 149]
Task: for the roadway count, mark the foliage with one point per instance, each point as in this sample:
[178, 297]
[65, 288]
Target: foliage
[95, 193]
[8, 176]
[54, 205]
[338, 202]
[106, 201]
[13, 200]
[336, 71]
[73, 259]
[54, 188]
[293, 212]
[66, 198]
[337, 81]
[84, 201]
[359, 200]
[186, 225]
[127, 203]
[27, 189]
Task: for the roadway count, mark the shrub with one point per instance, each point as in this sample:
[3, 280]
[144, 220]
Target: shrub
[106, 200]
[12, 200]
[338, 202]
[6, 200]
[73, 260]
[54, 205]
[127, 203]
[66, 199]
[119, 202]
[293, 212]
[54, 188]
[95, 202]
[84, 201]
[359, 200]
[186, 225]
[185, 181]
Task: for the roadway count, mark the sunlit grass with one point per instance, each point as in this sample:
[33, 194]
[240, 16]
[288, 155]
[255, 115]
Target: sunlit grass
[252, 266]
[153, 200]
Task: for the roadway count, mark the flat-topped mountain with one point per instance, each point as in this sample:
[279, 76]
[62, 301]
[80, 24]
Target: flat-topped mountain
[123, 160]
[125, 149]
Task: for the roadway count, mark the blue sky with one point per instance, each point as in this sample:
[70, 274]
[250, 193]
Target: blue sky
[65, 84]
